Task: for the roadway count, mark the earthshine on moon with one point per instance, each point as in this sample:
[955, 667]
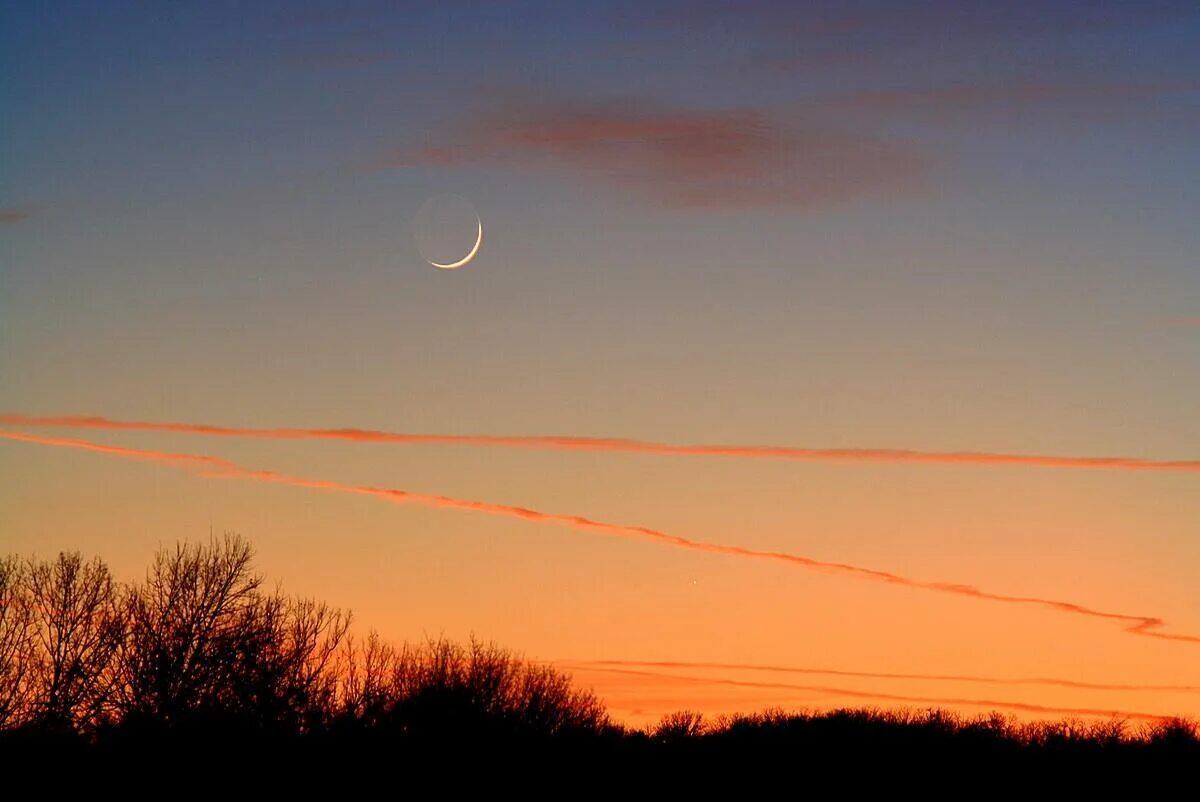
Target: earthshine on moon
[470, 254]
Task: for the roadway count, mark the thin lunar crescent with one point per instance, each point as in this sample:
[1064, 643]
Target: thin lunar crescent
[469, 256]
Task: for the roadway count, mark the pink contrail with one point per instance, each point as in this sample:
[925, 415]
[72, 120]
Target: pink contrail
[620, 445]
[1024, 707]
[983, 680]
[1147, 626]
[165, 457]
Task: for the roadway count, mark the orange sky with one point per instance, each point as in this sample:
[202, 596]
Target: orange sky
[708, 653]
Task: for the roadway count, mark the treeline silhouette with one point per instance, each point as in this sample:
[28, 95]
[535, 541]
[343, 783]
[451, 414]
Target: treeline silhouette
[199, 645]
[199, 654]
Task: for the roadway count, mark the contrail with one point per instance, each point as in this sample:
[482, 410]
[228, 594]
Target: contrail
[165, 457]
[1147, 626]
[1024, 707]
[983, 680]
[619, 445]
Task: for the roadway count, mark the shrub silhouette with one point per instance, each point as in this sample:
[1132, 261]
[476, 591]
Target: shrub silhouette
[679, 725]
[441, 689]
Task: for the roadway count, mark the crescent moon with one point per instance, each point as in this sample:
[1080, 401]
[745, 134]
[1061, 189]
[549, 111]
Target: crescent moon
[470, 255]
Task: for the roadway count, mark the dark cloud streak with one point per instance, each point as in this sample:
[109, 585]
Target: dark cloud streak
[15, 214]
[678, 157]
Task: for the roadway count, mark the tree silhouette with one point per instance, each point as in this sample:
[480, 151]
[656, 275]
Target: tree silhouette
[77, 627]
[205, 642]
[183, 624]
[198, 657]
[16, 616]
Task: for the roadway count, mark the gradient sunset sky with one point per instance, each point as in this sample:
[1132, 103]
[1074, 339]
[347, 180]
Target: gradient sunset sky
[936, 226]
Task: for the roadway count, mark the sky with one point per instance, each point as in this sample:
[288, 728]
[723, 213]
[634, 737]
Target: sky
[936, 227]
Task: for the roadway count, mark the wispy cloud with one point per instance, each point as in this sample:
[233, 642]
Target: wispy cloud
[213, 467]
[620, 445]
[677, 157]
[854, 693]
[966, 678]
[15, 214]
[161, 457]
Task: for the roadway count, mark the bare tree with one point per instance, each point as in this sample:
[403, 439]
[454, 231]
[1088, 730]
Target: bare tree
[16, 637]
[367, 684]
[282, 654]
[205, 640]
[77, 627]
[182, 619]
[309, 656]
[199, 645]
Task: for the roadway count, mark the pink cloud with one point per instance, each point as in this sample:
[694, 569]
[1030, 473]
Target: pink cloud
[621, 445]
[683, 158]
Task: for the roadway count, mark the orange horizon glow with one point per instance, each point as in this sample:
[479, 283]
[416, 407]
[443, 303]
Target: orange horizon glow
[1142, 625]
[984, 680]
[880, 696]
[647, 673]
